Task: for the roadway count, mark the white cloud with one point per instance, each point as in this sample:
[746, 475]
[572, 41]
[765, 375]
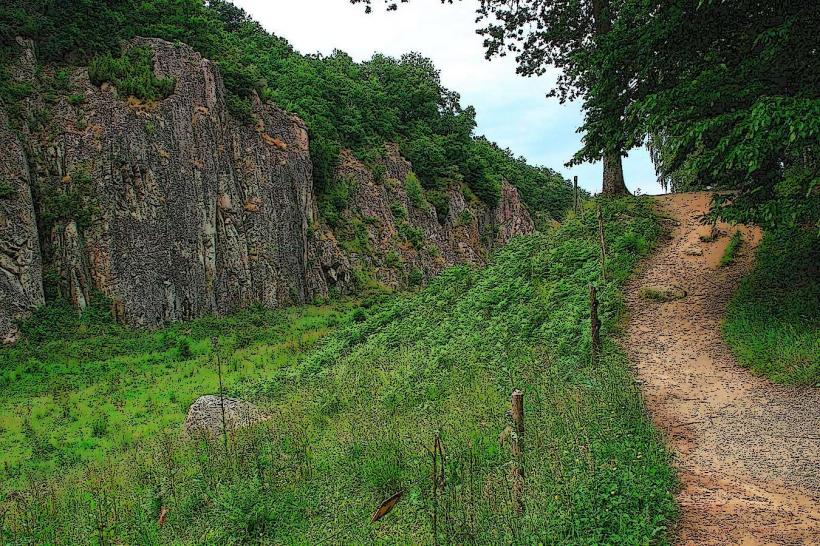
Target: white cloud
[512, 110]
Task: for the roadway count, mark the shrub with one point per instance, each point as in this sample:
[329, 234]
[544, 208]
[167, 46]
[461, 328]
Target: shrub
[441, 202]
[398, 210]
[184, 351]
[132, 74]
[415, 277]
[6, 191]
[731, 249]
[414, 190]
[412, 234]
[393, 260]
[334, 200]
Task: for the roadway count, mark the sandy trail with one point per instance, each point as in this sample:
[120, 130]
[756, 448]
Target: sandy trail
[747, 451]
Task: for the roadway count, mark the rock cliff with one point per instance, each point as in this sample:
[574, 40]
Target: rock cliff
[174, 209]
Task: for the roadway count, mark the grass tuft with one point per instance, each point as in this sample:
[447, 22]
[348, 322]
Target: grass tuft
[732, 248]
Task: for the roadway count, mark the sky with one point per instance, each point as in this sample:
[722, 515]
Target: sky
[512, 110]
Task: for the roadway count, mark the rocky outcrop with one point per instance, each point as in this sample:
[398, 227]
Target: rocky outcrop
[175, 209]
[21, 285]
[396, 235]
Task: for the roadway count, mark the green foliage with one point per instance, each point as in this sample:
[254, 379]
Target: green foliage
[393, 260]
[398, 211]
[730, 252]
[355, 417]
[62, 201]
[773, 320]
[415, 193]
[6, 190]
[415, 277]
[411, 234]
[441, 202]
[76, 99]
[132, 74]
[334, 200]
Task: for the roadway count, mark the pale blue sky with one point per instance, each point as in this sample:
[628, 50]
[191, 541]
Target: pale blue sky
[513, 111]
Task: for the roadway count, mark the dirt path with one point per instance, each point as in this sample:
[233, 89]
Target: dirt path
[747, 451]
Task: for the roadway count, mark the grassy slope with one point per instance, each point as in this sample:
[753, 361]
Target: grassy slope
[353, 423]
[773, 320]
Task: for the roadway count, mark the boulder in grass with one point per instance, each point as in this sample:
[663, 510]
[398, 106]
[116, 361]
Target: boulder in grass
[205, 415]
[663, 292]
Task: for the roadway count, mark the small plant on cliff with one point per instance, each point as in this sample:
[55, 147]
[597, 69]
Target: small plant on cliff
[413, 235]
[132, 74]
[334, 200]
[398, 210]
[6, 190]
[441, 203]
[414, 191]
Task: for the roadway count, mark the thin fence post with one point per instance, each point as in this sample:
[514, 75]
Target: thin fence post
[595, 322]
[575, 193]
[517, 444]
[602, 241]
[215, 349]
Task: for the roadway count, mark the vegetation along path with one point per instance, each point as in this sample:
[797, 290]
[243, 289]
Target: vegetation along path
[747, 451]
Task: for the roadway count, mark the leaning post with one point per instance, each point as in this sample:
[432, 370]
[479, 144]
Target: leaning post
[595, 322]
[517, 444]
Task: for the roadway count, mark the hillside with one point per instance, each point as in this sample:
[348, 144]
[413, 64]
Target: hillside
[353, 420]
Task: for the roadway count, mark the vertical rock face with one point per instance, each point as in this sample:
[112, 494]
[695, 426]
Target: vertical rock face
[190, 212]
[21, 286]
[174, 209]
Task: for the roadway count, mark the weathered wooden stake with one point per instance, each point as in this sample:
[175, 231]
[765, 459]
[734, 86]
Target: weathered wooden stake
[575, 193]
[517, 444]
[595, 323]
[602, 239]
[215, 349]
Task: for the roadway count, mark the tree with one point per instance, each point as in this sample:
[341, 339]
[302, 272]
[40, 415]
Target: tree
[573, 36]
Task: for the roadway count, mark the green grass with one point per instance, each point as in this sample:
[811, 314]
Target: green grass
[730, 252]
[773, 320]
[78, 389]
[354, 422]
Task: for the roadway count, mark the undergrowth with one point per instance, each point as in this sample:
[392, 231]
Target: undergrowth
[355, 421]
[772, 322]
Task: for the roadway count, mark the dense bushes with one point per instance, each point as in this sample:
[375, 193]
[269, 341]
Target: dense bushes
[352, 105]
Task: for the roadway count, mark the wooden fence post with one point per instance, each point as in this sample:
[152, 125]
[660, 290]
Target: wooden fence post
[595, 322]
[517, 444]
[215, 349]
[602, 241]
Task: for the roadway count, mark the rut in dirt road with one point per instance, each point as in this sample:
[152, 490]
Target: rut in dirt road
[747, 451]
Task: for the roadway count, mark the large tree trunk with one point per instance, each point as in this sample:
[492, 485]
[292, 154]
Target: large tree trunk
[613, 175]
